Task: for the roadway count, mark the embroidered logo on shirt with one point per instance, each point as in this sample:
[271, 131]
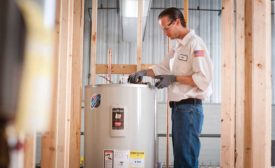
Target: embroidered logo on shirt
[183, 57]
[199, 53]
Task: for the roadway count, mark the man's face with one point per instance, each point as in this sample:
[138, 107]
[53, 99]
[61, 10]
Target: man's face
[169, 27]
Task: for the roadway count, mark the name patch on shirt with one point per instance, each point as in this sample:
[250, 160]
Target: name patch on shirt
[199, 53]
[183, 57]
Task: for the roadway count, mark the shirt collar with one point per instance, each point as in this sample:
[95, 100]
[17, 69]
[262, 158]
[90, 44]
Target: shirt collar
[186, 38]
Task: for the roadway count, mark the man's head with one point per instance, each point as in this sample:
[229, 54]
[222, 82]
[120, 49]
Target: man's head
[172, 22]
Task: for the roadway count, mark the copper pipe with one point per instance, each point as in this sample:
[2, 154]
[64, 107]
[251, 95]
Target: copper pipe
[109, 65]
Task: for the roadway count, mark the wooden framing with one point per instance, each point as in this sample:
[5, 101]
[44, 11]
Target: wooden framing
[60, 145]
[139, 34]
[253, 106]
[60, 148]
[48, 139]
[63, 85]
[248, 85]
[252, 111]
[261, 83]
[186, 11]
[76, 87]
[228, 86]
[119, 68]
[29, 151]
[240, 84]
[93, 42]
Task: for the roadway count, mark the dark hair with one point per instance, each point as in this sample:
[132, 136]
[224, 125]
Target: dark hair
[173, 14]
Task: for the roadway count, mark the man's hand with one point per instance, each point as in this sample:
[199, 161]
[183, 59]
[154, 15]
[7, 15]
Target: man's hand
[164, 80]
[137, 77]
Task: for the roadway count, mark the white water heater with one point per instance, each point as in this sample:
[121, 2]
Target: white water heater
[120, 126]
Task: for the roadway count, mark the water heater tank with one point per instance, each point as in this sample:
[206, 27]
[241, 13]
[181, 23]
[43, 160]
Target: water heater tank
[120, 126]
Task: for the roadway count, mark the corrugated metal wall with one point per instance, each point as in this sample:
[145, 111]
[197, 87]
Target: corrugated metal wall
[205, 23]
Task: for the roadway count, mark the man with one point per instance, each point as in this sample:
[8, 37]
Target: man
[187, 71]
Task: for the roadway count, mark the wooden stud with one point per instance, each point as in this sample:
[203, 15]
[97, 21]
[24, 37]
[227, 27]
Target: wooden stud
[116, 69]
[228, 86]
[93, 42]
[55, 145]
[248, 86]
[64, 85]
[139, 34]
[29, 151]
[48, 139]
[76, 82]
[240, 84]
[61, 145]
[186, 11]
[261, 83]
[119, 68]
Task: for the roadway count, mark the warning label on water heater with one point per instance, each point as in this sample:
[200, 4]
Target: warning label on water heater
[108, 158]
[121, 159]
[136, 159]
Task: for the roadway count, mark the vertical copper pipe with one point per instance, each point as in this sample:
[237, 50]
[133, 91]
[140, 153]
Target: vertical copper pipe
[109, 65]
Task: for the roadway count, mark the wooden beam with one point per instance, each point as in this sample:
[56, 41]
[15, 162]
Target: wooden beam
[93, 42]
[146, 66]
[228, 86]
[76, 80]
[139, 34]
[48, 139]
[116, 69]
[62, 143]
[255, 124]
[119, 68]
[186, 11]
[29, 151]
[261, 83]
[240, 84]
[248, 84]
[64, 85]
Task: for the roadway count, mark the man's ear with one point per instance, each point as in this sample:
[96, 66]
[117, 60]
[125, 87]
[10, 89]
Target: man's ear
[178, 22]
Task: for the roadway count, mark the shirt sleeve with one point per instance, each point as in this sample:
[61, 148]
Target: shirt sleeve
[202, 65]
[164, 66]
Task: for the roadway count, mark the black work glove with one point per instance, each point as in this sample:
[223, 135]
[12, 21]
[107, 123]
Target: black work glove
[137, 77]
[164, 80]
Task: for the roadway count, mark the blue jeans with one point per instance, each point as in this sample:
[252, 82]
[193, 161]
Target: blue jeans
[187, 120]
